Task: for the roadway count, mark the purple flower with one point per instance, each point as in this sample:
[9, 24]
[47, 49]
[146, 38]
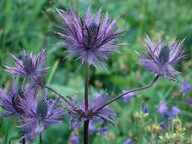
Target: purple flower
[39, 114]
[144, 108]
[189, 101]
[163, 108]
[102, 129]
[164, 125]
[127, 96]
[175, 111]
[128, 141]
[29, 66]
[11, 101]
[77, 112]
[88, 37]
[185, 87]
[161, 59]
[74, 139]
[91, 126]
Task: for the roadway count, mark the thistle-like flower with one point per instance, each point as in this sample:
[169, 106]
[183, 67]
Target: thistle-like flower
[161, 59]
[39, 114]
[88, 37]
[28, 66]
[78, 115]
[11, 101]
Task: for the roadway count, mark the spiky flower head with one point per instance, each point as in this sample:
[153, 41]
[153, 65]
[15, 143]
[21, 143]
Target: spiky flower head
[29, 65]
[39, 114]
[78, 115]
[161, 59]
[10, 101]
[89, 38]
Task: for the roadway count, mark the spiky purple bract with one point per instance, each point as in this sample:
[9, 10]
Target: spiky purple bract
[161, 59]
[39, 114]
[29, 65]
[88, 37]
[11, 101]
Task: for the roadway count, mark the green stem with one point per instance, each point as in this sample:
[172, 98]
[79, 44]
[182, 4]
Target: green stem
[7, 132]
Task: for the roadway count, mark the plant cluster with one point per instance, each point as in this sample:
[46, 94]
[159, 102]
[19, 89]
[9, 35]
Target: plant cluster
[90, 39]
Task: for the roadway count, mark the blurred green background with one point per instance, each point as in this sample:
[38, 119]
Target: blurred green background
[29, 24]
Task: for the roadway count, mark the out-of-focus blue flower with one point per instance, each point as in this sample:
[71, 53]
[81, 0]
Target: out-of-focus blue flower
[128, 141]
[163, 108]
[175, 111]
[88, 37]
[92, 127]
[166, 123]
[163, 125]
[144, 108]
[189, 101]
[127, 96]
[74, 139]
[185, 87]
[102, 129]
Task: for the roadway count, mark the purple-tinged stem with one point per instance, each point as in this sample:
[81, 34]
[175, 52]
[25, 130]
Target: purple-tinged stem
[86, 88]
[86, 123]
[62, 97]
[47, 87]
[23, 141]
[86, 132]
[40, 139]
[130, 91]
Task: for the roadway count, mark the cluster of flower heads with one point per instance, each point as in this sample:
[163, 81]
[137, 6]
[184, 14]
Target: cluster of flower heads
[78, 115]
[35, 110]
[167, 112]
[164, 109]
[91, 39]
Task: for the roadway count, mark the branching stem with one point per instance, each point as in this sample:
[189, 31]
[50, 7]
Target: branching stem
[130, 91]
